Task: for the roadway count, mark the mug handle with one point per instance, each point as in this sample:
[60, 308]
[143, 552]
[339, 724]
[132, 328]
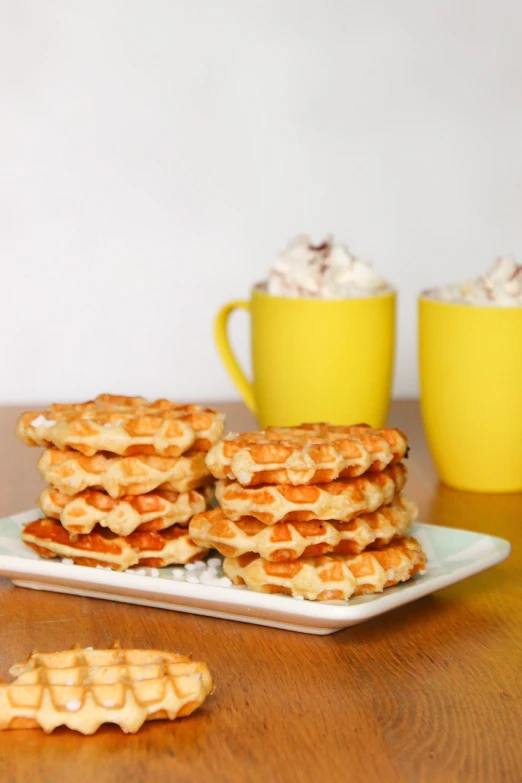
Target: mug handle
[227, 355]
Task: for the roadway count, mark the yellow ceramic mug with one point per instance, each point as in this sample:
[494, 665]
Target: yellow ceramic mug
[471, 393]
[315, 359]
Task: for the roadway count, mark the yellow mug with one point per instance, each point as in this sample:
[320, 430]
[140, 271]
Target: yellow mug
[315, 359]
[470, 360]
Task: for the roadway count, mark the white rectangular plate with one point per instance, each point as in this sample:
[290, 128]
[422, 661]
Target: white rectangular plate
[452, 555]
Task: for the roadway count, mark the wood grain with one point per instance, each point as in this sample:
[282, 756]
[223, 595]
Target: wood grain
[431, 692]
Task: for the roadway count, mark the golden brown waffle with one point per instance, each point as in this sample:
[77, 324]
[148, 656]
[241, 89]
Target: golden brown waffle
[82, 689]
[169, 547]
[340, 500]
[173, 546]
[371, 438]
[72, 472]
[153, 511]
[49, 539]
[256, 458]
[330, 577]
[287, 541]
[123, 425]
[310, 454]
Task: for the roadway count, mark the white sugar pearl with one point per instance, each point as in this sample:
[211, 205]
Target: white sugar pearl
[146, 571]
[212, 581]
[41, 421]
[207, 578]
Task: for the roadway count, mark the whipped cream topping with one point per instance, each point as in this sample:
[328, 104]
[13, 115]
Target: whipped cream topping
[500, 287]
[325, 271]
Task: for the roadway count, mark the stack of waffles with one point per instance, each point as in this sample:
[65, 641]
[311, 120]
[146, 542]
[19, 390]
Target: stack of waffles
[315, 511]
[84, 688]
[125, 476]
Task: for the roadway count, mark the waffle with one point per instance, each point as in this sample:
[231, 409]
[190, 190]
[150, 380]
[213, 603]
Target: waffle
[173, 546]
[72, 472]
[340, 500]
[310, 454]
[170, 547]
[152, 511]
[82, 689]
[49, 539]
[124, 426]
[330, 577]
[287, 541]
[370, 437]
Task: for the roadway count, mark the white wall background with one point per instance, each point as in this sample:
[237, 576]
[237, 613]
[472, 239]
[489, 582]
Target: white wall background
[155, 154]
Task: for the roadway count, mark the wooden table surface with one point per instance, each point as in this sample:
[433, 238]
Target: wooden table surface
[428, 692]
